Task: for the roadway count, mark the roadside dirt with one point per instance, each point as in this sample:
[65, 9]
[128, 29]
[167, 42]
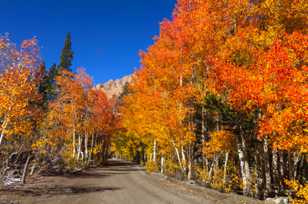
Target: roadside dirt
[118, 182]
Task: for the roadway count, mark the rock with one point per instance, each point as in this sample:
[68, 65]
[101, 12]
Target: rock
[278, 200]
[191, 182]
[114, 88]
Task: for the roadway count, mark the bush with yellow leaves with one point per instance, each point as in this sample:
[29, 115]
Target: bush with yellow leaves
[300, 192]
[151, 166]
[171, 167]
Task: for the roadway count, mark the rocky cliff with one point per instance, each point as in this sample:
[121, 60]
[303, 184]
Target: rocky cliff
[114, 87]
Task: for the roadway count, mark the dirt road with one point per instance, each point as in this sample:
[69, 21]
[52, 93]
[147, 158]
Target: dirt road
[119, 182]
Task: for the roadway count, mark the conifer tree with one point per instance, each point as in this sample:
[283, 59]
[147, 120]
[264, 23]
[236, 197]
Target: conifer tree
[67, 54]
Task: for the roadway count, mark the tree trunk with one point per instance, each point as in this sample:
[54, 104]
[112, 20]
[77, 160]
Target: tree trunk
[281, 170]
[290, 166]
[32, 169]
[189, 174]
[244, 165]
[86, 147]
[24, 173]
[206, 164]
[162, 165]
[225, 169]
[276, 176]
[246, 189]
[178, 156]
[296, 161]
[183, 160]
[79, 147]
[267, 169]
[259, 173]
[154, 150]
[74, 142]
[92, 146]
[302, 169]
[214, 163]
[202, 131]
[1, 136]
[106, 144]
[3, 127]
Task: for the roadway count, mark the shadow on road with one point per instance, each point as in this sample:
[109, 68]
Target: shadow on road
[122, 166]
[90, 174]
[114, 163]
[58, 190]
[77, 183]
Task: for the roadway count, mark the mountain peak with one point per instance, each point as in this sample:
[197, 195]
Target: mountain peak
[113, 88]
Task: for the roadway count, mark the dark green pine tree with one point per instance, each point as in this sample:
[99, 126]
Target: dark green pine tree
[67, 54]
[48, 85]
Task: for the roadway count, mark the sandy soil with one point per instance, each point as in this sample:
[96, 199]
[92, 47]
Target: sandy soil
[118, 182]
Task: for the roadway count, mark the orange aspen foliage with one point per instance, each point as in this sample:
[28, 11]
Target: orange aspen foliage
[220, 141]
[18, 88]
[17, 91]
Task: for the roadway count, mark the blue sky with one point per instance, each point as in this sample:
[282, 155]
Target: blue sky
[107, 34]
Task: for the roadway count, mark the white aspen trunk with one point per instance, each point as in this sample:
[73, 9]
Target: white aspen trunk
[179, 159]
[189, 174]
[74, 133]
[82, 156]
[247, 170]
[246, 175]
[86, 146]
[206, 163]
[259, 173]
[1, 136]
[296, 161]
[24, 173]
[190, 162]
[32, 169]
[203, 130]
[281, 163]
[225, 169]
[268, 184]
[215, 159]
[275, 171]
[258, 163]
[183, 159]
[74, 142]
[79, 147]
[154, 150]
[178, 156]
[92, 146]
[3, 127]
[162, 165]
[281, 170]
[243, 172]
[211, 172]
